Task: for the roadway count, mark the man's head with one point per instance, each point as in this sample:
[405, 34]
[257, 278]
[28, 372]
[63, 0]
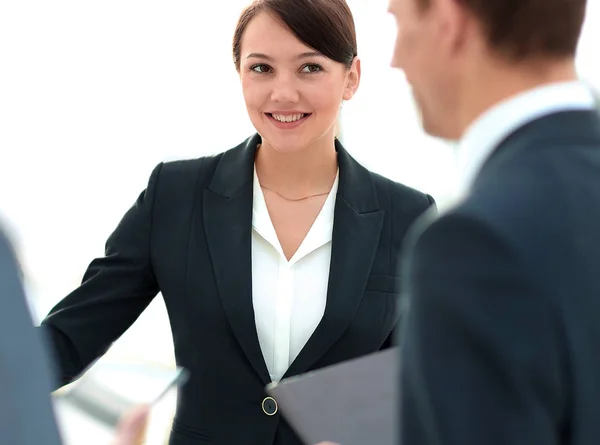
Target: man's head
[449, 48]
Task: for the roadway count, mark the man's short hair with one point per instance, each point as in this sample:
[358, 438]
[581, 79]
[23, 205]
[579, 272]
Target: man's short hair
[522, 29]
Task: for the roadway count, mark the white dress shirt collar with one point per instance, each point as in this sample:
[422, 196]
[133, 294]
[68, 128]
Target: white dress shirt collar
[319, 234]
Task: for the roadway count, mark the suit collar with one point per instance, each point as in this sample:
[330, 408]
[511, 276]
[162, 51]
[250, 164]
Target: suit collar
[356, 183]
[227, 215]
[235, 170]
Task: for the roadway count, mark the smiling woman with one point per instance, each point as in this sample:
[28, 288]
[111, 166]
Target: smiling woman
[296, 69]
[273, 258]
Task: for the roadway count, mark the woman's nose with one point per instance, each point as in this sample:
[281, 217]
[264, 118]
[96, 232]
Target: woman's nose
[285, 89]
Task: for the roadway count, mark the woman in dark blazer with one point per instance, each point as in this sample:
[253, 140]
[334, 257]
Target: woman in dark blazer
[274, 258]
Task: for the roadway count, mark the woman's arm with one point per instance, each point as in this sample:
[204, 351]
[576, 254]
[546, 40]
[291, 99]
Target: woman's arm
[115, 290]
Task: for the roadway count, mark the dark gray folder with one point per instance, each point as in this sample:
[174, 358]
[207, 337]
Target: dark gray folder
[351, 403]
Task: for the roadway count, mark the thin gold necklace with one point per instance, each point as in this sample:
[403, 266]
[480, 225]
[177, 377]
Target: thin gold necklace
[298, 199]
[295, 199]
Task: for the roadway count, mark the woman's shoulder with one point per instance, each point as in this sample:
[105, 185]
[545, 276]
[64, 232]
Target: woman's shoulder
[205, 166]
[401, 194]
[389, 193]
[190, 166]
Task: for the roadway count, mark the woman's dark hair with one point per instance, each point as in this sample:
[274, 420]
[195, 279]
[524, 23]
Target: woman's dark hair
[327, 26]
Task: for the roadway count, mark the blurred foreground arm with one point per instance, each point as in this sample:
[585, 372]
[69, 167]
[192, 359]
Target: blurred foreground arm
[26, 414]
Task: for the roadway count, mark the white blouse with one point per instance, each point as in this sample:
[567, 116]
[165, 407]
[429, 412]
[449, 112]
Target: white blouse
[288, 296]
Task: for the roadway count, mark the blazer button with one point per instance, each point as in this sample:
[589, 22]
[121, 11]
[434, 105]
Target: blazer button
[269, 406]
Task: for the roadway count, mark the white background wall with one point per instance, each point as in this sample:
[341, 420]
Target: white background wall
[94, 94]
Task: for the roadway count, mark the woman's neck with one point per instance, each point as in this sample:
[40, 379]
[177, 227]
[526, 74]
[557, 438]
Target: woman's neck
[301, 173]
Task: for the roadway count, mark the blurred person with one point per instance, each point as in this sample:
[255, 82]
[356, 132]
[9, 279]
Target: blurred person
[26, 412]
[274, 258]
[501, 338]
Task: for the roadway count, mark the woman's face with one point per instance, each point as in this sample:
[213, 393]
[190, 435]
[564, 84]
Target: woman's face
[293, 93]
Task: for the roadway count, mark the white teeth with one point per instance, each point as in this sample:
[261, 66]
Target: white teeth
[288, 117]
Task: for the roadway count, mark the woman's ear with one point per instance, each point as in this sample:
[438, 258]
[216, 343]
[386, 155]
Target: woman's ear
[352, 79]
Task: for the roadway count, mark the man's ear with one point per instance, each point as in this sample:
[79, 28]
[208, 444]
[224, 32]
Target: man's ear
[453, 21]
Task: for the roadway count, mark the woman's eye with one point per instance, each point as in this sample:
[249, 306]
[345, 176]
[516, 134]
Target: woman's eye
[311, 68]
[261, 68]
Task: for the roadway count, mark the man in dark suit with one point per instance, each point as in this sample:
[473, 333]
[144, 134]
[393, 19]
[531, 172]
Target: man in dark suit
[501, 340]
[26, 415]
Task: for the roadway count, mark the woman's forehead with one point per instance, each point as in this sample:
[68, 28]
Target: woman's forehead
[270, 37]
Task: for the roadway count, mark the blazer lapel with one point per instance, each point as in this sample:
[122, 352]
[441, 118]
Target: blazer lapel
[227, 217]
[356, 231]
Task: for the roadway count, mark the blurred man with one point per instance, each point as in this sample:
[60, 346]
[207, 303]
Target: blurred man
[501, 343]
[502, 340]
[26, 415]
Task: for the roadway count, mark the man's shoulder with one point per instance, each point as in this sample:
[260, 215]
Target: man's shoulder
[537, 200]
[542, 164]
[536, 184]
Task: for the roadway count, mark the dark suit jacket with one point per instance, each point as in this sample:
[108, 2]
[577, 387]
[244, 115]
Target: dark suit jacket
[189, 236]
[502, 338]
[26, 415]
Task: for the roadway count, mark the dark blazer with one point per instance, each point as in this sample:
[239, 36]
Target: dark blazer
[502, 338]
[189, 237]
[26, 415]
